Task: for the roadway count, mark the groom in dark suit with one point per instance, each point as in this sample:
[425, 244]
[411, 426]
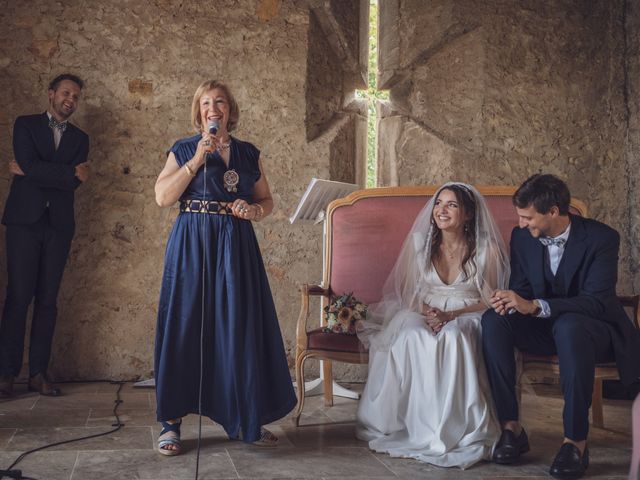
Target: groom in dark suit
[562, 301]
[50, 163]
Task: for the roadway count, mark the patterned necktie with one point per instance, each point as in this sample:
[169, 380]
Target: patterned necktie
[558, 242]
[53, 123]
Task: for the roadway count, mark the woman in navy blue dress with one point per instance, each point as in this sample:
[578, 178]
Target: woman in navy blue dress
[216, 310]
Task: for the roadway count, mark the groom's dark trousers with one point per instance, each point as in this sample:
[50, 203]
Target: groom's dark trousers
[587, 323]
[39, 219]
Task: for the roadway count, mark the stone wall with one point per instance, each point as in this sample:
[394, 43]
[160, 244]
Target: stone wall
[632, 97]
[482, 91]
[142, 61]
[491, 92]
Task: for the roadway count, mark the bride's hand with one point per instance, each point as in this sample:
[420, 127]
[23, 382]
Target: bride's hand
[436, 318]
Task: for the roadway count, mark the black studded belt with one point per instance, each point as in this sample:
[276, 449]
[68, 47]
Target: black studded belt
[205, 206]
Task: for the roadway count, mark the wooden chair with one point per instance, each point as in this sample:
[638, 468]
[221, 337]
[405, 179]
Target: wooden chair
[634, 469]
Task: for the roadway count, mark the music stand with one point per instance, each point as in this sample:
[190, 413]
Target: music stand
[311, 208]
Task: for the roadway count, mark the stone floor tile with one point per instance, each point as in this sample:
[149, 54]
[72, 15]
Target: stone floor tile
[93, 400]
[326, 433]
[19, 402]
[124, 439]
[99, 387]
[410, 468]
[127, 387]
[6, 434]
[606, 461]
[134, 417]
[342, 412]
[321, 436]
[42, 465]
[150, 465]
[308, 417]
[77, 387]
[297, 462]
[44, 418]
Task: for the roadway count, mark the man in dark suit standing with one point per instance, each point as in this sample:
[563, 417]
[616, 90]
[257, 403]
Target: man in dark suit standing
[50, 163]
[562, 301]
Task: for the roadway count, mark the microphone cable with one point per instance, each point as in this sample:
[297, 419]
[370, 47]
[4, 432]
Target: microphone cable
[203, 243]
[17, 474]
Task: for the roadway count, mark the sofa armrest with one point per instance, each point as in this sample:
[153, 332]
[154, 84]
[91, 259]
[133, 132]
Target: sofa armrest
[306, 291]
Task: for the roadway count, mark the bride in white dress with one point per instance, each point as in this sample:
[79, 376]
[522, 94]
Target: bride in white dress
[427, 395]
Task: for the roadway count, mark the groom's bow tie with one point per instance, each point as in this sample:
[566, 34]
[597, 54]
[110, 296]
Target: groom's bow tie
[558, 242]
[53, 123]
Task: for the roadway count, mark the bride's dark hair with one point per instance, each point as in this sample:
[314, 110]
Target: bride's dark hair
[467, 202]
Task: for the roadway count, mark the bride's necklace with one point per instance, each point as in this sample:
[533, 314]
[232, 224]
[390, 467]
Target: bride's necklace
[450, 253]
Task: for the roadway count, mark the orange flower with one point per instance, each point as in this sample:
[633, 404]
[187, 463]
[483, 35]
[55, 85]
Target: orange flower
[345, 316]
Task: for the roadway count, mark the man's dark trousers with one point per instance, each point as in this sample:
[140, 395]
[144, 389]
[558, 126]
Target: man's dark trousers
[36, 257]
[579, 342]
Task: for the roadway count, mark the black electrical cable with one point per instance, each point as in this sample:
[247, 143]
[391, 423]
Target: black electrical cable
[204, 242]
[17, 474]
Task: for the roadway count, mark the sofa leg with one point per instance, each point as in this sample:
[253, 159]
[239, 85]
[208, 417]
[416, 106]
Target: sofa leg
[328, 383]
[300, 389]
[596, 404]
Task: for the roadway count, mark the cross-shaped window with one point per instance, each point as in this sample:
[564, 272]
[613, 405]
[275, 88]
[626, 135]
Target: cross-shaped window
[372, 96]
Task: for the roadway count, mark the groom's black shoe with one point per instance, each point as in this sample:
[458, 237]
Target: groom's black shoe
[569, 464]
[510, 447]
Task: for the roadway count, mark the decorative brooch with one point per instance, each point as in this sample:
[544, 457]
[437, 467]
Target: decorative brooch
[231, 180]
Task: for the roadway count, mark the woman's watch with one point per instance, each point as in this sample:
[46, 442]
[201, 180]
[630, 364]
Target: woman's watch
[538, 306]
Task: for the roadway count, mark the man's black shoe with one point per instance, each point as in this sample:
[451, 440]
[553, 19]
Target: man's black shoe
[510, 447]
[569, 464]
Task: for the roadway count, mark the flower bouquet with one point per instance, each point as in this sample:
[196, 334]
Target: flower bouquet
[343, 313]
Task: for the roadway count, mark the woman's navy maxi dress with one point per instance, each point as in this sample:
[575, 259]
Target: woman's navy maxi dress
[246, 381]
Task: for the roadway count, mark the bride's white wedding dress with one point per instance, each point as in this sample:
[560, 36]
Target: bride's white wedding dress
[427, 395]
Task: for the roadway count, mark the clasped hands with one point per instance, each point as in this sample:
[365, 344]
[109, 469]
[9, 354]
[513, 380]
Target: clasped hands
[81, 170]
[436, 318]
[508, 301]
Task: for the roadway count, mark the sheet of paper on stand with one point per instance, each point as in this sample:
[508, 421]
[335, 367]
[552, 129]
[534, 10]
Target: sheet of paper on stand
[318, 195]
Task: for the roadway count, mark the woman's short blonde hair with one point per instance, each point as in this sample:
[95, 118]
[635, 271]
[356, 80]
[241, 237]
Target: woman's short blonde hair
[234, 111]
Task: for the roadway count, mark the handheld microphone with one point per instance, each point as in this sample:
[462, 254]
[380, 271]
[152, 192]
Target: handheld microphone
[213, 127]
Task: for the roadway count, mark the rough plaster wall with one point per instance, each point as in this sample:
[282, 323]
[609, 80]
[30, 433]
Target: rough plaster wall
[491, 92]
[336, 67]
[487, 92]
[142, 62]
[633, 141]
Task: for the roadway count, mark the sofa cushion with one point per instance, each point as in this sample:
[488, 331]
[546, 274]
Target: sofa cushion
[335, 342]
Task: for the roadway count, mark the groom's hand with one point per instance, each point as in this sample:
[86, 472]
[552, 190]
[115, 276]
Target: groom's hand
[503, 301]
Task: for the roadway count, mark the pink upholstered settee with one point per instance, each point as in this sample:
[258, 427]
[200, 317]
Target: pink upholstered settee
[365, 232]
